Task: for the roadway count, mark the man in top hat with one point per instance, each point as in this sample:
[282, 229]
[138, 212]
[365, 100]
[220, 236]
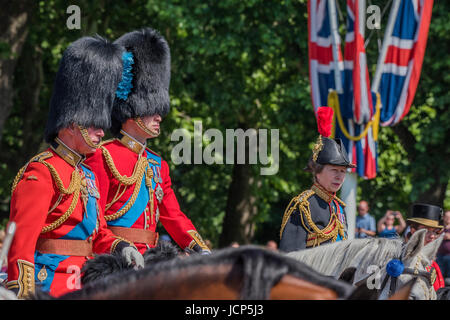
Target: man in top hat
[429, 217]
[55, 198]
[134, 181]
[316, 216]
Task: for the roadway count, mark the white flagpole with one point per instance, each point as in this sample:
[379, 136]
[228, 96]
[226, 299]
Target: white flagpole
[349, 188]
[386, 42]
[335, 42]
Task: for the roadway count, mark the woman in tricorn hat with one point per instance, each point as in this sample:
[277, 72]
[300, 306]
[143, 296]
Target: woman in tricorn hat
[316, 216]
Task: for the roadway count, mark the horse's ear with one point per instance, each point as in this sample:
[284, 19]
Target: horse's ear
[348, 275]
[404, 292]
[414, 245]
[431, 248]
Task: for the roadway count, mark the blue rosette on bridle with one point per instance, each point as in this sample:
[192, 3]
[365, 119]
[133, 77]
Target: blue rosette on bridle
[395, 268]
[125, 85]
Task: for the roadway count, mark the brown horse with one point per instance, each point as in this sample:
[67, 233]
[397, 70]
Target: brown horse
[247, 272]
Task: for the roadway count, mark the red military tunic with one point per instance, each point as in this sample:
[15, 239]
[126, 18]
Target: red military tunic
[136, 192]
[54, 197]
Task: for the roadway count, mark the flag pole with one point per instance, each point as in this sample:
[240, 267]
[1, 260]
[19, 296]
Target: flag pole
[349, 188]
[334, 43]
[385, 46]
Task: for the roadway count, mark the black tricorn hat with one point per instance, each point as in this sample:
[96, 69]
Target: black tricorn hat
[333, 152]
[85, 85]
[149, 94]
[328, 150]
[427, 214]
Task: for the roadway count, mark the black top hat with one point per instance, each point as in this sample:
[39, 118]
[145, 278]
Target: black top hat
[328, 150]
[85, 85]
[427, 215]
[149, 94]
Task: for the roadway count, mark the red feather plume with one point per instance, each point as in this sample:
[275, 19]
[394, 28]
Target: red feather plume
[324, 121]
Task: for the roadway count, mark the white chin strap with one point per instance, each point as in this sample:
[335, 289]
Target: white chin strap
[143, 127]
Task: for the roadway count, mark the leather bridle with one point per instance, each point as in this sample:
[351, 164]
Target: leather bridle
[428, 276]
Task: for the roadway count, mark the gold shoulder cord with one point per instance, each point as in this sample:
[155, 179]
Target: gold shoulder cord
[301, 201]
[135, 178]
[41, 156]
[73, 188]
[296, 200]
[324, 234]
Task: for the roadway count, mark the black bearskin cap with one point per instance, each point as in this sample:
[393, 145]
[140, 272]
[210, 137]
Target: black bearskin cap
[151, 77]
[85, 85]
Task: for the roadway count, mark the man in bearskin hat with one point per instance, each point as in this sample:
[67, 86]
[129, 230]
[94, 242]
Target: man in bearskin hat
[55, 198]
[317, 216]
[429, 217]
[134, 181]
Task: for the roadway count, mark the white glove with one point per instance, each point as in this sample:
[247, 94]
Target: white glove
[132, 256]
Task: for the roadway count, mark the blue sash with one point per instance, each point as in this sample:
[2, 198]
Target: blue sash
[81, 231]
[138, 207]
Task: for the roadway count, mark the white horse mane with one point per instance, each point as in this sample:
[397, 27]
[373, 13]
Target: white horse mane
[332, 259]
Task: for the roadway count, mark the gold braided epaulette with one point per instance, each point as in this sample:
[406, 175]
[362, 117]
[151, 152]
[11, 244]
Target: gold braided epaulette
[73, 188]
[302, 197]
[37, 158]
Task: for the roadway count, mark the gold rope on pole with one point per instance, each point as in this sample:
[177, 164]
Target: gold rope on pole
[333, 102]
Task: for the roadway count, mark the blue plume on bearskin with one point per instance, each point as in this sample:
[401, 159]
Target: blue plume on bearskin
[85, 85]
[124, 87]
[149, 94]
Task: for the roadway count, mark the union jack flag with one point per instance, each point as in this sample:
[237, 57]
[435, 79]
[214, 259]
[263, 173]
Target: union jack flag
[325, 70]
[396, 77]
[348, 76]
[398, 71]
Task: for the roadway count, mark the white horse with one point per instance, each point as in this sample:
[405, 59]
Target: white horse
[364, 261]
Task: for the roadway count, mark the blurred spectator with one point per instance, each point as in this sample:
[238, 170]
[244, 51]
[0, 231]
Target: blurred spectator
[4, 267]
[165, 237]
[234, 244]
[272, 245]
[386, 227]
[365, 223]
[209, 244]
[2, 237]
[443, 254]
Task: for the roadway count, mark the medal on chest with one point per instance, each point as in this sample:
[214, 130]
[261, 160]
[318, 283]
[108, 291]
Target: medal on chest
[159, 193]
[90, 184]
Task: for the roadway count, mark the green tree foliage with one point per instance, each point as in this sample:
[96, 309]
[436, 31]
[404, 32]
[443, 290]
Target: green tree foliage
[235, 64]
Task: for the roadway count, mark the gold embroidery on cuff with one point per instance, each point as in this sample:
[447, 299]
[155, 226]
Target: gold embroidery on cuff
[197, 240]
[26, 278]
[117, 241]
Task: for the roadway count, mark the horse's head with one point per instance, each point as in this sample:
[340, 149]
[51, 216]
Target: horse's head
[416, 259]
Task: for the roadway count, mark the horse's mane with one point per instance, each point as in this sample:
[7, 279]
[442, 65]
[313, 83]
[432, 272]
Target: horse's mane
[260, 268]
[332, 259]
